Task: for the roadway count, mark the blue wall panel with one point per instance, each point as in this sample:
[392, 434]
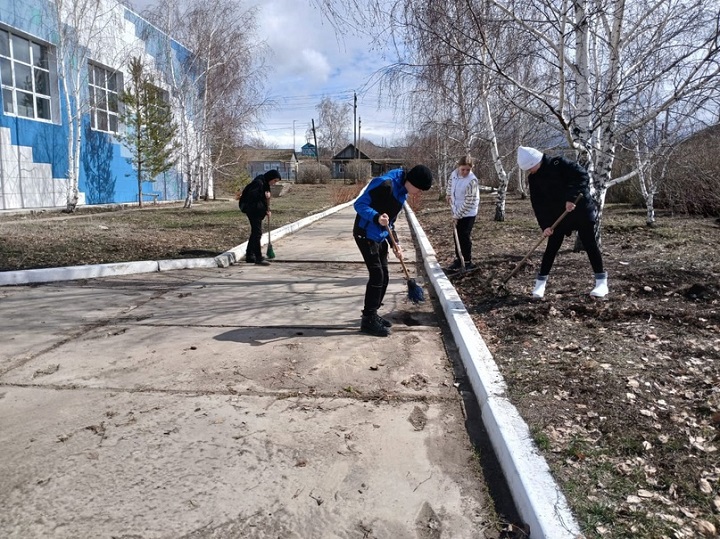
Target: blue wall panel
[105, 174]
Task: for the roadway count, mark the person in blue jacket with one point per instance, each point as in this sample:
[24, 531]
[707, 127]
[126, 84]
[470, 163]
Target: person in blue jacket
[377, 208]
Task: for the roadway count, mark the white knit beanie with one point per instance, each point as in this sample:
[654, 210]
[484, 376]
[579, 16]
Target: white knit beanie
[527, 158]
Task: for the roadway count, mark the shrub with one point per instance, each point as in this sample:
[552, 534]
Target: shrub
[627, 192]
[692, 182]
[313, 173]
[357, 171]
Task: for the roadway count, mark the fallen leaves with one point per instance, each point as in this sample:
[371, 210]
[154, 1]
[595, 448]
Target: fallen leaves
[625, 393]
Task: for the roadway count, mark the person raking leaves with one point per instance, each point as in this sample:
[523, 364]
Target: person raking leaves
[555, 183]
[377, 208]
[254, 203]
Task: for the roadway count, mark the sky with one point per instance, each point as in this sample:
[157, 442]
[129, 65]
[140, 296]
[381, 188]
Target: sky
[310, 61]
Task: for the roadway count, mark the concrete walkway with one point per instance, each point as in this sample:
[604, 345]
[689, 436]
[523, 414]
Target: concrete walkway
[228, 400]
[230, 403]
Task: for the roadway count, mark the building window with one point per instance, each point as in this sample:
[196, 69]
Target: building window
[104, 98]
[25, 76]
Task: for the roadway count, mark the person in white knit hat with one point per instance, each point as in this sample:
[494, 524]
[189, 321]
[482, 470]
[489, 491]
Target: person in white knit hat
[555, 183]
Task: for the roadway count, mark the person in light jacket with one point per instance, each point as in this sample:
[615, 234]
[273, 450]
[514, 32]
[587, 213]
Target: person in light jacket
[555, 183]
[463, 195]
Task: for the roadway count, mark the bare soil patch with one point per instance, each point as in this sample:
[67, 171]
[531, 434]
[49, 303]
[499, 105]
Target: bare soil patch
[623, 395]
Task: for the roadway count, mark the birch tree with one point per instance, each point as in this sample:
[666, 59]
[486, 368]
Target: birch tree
[333, 129]
[227, 62]
[589, 60]
[603, 54]
[80, 27]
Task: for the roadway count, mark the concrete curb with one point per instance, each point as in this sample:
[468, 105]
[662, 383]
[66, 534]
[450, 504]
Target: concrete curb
[70, 273]
[537, 496]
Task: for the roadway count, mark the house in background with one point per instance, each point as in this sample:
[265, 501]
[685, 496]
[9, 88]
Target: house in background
[260, 161]
[381, 159]
[308, 150]
[34, 120]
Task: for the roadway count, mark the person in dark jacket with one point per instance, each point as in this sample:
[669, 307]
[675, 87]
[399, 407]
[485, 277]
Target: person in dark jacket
[555, 183]
[254, 202]
[377, 208]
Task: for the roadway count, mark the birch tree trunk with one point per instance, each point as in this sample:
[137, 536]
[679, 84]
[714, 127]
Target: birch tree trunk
[78, 26]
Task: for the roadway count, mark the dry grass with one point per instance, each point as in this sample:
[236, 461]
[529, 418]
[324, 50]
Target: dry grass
[94, 236]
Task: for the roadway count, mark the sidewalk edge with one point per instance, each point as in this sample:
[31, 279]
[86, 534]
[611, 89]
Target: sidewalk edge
[538, 498]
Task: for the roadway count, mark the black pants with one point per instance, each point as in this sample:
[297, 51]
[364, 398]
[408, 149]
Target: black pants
[375, 256]
[254, 251]
[464, 232]
[586, 233]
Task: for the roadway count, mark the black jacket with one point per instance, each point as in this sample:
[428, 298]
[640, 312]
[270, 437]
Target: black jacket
[559, 180]
[253, 199]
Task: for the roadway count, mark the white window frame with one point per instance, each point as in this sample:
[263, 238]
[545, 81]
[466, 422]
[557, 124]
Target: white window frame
[104, 96]
[24, 55]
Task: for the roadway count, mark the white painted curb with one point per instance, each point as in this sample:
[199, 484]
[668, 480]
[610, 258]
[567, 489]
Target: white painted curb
[537, 496]
[70, 273]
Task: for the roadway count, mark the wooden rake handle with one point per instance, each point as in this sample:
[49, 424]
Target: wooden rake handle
[395, 248]
[542, 238]
[457, 245]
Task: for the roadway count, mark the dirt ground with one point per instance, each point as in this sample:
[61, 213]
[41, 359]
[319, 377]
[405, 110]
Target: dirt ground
[622, 395]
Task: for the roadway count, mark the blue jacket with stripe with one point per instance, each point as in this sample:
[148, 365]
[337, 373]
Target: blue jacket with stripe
[384, 194]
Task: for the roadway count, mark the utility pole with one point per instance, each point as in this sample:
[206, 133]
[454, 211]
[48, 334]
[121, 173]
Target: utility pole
[317, 150]
[355, 151]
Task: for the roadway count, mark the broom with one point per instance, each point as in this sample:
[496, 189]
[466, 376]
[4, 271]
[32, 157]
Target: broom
[415, 292]
[270, 252]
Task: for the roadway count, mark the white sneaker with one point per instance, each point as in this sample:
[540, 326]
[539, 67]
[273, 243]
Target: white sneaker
[539, 290]
[601, 286]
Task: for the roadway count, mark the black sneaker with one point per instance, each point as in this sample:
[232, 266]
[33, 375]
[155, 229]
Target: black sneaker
[469, 265]
[455, 266]
[250, 259]
[384, 321]
[372, 326]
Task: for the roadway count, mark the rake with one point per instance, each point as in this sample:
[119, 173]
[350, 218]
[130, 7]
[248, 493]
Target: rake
[542, 238]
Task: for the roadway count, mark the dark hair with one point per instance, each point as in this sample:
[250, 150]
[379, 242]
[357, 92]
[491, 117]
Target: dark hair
[465, 161]
[272, 175]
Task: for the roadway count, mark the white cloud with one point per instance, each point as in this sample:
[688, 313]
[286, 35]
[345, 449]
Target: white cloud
[314, 65]
[309, 61]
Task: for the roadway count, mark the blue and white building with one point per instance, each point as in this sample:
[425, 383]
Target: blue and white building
[61, 83]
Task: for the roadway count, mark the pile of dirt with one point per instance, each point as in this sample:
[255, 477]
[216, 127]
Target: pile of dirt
[622, 395]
